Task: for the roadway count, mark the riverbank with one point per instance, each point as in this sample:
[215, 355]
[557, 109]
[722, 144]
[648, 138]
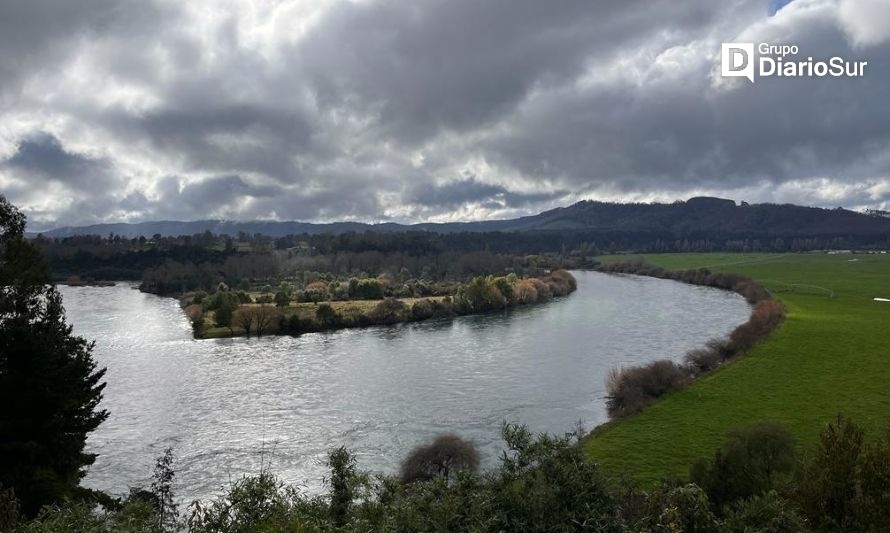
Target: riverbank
[215, 316]
[75, 281]
[826, 358]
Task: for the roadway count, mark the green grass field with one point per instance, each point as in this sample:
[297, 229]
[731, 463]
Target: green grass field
[832, 355]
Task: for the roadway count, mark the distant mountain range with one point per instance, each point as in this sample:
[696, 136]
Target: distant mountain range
[701, 217]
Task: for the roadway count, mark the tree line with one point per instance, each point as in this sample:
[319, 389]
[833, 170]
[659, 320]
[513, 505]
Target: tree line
[191, 262]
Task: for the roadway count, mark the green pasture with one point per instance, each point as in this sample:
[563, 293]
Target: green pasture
[832, 355]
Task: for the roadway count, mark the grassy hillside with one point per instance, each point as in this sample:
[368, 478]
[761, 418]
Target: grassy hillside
[832, 355]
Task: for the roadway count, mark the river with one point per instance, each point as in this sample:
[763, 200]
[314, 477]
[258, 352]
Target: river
[234, 406]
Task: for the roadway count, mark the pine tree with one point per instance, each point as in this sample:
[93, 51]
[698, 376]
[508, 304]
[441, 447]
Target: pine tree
[50, 386]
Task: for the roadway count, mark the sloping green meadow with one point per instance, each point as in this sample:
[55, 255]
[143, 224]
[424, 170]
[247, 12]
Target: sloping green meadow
[832, 355]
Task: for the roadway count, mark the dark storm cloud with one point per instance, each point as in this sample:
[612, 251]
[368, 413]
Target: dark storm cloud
[40, 157]
[461, 64]
[209, 138]
[236, 197]
[38, 35]
[441, 109]
[677, 134]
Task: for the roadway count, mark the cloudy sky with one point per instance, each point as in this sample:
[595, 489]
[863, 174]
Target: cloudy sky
[416, 110]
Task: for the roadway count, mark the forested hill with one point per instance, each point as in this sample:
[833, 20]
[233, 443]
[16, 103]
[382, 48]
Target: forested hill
[697, 218]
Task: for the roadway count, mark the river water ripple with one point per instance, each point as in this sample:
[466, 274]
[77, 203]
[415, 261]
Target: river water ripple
[233, 406]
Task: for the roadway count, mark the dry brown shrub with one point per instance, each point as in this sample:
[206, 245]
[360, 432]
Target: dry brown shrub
[194, 312]
[765, 317]
[542, 289]
[444, 456]
[422, 309]
[389, 311]
[633, 388]
[317, 286]
[560, 282]
[702, 360]
[525, 292]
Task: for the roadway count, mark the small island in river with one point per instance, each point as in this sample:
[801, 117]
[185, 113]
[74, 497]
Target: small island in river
[325, 305]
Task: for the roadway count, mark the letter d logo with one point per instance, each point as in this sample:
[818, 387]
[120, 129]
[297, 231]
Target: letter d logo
[738, 60]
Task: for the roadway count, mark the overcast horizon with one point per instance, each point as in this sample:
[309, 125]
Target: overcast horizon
[434, 111]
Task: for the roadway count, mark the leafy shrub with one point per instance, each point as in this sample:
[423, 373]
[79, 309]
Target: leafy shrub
[10, 510]
[480, 294]
[545, 483]
[676, 508]
[316, 291]
[257, 503]
[767, 512]
[844, 485]
[219, 299]
[325, 315]
[633, 388]
[282, 299]
[422, 309]
[753, 461]
[293, 324]
[224, 314]
[505, 287]
[342, 482]
[874, 504]
[366, 289]
[162, 492]
[389, 311]
[442, 308]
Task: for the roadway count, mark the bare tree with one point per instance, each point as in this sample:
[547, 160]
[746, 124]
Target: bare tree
[445, 456]
[245, 318]
[264, 317]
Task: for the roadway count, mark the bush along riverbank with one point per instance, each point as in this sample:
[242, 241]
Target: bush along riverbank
[630, 389]
[230, 313]
[755, 482]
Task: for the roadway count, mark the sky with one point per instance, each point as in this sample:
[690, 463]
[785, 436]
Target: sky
[428, 110]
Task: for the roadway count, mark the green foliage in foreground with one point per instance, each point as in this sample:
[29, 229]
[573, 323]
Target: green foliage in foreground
[50, 386]
[542, 484]
[831, 355]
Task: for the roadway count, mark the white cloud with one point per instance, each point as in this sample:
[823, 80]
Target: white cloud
[866, 22]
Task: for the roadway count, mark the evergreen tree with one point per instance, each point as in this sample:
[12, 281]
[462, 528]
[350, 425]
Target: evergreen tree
[50, 386]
